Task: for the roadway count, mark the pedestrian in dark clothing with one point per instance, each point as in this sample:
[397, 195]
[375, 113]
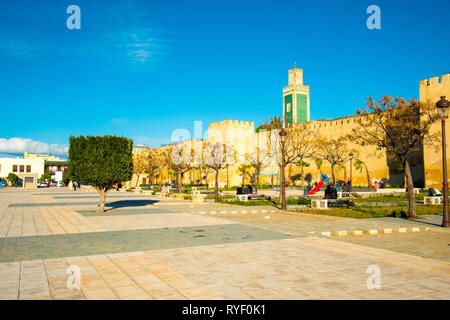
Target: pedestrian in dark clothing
[328, 192]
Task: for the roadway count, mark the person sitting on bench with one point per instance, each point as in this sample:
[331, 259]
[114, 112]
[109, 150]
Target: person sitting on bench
[433, 192]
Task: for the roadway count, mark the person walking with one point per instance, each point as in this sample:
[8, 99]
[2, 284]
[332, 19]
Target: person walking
[164, 190]
[74, 185]
[376, 186]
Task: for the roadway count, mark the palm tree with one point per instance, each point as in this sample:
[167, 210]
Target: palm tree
[302, 164]
[244, 170]
[360, 165]
[319, 163]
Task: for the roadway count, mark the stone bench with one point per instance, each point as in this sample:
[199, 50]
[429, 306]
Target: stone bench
[242, 197]
[319, 204]
[433, 200]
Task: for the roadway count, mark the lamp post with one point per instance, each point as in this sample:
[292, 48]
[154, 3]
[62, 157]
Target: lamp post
[351, 182]
[283, 135]
[442, 106]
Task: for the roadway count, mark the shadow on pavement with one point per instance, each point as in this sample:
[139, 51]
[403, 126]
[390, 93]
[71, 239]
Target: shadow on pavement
[129, 203]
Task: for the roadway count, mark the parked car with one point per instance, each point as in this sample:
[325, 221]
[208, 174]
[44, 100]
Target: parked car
[18, 184]
[43, 184]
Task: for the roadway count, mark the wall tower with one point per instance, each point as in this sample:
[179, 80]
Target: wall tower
[295, 98]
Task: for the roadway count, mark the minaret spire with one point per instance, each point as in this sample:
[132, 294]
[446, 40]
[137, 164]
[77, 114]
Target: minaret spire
[295, 63]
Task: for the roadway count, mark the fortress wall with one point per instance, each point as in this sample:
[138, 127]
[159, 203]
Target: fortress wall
[431, 90]
[334, 128]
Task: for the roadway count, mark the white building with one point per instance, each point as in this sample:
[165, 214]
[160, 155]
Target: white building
[21, 167]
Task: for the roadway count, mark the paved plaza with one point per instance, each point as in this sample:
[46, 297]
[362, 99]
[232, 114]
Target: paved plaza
[145, 247]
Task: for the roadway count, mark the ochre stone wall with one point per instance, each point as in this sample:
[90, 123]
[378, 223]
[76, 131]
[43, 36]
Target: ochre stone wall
[432, 90]
[244, 140]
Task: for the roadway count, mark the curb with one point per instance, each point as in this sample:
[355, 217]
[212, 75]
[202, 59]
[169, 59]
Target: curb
[236, 211]
[344, 233]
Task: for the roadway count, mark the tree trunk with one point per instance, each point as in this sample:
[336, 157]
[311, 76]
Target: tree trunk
[369, 183]
[256, 182]
[137, 181]
[411, 196]
[216, 186]
[332, 175]
[178, 180]
[243, 178]
[102, 200]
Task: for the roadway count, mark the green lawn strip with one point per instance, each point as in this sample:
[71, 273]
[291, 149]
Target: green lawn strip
[386, 198]
[298, 201]
[362, 212]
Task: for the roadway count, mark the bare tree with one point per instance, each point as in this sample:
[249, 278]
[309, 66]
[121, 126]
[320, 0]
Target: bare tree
[215, 158]
[399, 127]
[333, 151]
[178, 159]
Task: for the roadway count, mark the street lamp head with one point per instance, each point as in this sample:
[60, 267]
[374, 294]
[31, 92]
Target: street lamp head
[442, 106]
[351, 155]
[283, 134]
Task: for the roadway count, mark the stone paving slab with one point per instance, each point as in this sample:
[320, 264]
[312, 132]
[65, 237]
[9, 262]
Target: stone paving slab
[154, 221]
[300, 268]
[310, 224]
[90, 196]
[114, 204]
[430, 244]
[122, 212]
[66, 245]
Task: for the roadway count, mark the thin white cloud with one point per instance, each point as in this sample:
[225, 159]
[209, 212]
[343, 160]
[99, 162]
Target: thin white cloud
[21, 145]
[139, 44]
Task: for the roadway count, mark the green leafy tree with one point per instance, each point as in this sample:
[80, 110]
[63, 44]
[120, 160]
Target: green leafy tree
[318, 163]
[46, 177]
[12, 178]
[360, 165]
[66, 178]
[101, 162]
[244, 170]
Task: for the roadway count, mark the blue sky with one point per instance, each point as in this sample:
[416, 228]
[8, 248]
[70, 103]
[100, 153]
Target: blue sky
[144, 68]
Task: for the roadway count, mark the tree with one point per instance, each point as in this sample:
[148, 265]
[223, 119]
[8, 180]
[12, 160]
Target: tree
[178, 159]
[302, 164]
[398, 127]
[155, 164]
[360, 165]
[101, 161]
[318, 163]
[46, 177]
[244, 171]
[308, 178]
[66, 178]
[12, 178]
[297, 145]
[140, 164]
[333, 151]
[214, 158]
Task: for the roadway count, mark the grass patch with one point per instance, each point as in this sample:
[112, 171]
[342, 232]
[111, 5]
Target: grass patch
[298, 201]
[247, 203]
[374, 212]
[387, 198]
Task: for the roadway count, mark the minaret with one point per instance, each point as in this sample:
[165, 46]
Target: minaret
[295, 98]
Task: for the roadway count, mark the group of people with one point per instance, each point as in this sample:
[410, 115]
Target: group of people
[331, 191]
[244, 190]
